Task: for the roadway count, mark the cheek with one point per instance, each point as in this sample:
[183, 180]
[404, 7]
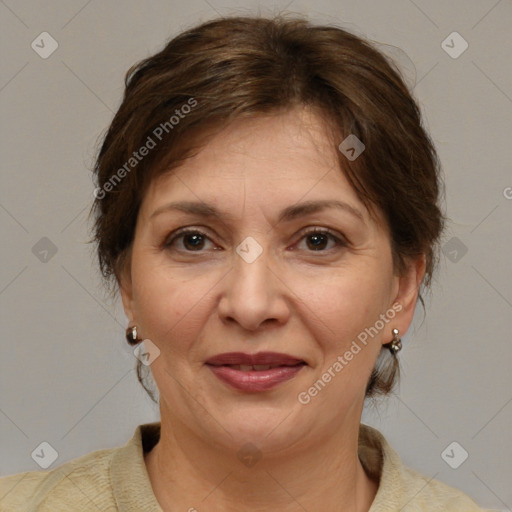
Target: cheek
[348, 347]
[349, 303]
[165, 304]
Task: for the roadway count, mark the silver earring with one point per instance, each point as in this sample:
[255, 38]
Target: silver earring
[395, 345]
[131, 335]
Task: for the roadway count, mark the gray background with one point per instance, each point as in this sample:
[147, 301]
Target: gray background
[67, 375]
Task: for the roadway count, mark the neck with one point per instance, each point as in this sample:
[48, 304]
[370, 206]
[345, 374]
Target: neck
[188, 473]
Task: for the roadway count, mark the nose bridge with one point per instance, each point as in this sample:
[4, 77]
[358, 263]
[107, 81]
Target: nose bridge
[252, 294]
[251, 270]
[251, 263]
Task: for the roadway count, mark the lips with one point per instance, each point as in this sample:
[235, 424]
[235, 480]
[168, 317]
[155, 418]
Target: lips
[272, 359]
[254, 372]
[254, 367]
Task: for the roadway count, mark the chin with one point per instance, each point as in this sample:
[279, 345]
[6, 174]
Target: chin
[264, 426]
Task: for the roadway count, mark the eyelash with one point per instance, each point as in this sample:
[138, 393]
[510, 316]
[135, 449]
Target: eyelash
[315, 231]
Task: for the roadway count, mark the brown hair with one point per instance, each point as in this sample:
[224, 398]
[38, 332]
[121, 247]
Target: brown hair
[244, 66]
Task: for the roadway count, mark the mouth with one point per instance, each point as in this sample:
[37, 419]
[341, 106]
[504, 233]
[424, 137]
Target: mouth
[254, 372]
[254, 367]
[270, 359]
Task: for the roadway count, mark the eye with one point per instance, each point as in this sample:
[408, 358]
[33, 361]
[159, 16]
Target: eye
[193, 240]
[317, 239]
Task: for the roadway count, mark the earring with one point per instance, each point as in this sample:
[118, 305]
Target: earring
[395, 345]
[131, 335]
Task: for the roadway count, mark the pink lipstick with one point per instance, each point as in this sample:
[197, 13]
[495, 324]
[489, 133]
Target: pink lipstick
[254, 372]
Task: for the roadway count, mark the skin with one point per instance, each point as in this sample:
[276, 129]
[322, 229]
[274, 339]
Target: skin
[196, 298]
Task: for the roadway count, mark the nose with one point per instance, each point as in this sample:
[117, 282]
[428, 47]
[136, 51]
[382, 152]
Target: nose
[254, 295]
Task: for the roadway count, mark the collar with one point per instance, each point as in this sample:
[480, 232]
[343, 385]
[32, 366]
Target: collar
[130, 480]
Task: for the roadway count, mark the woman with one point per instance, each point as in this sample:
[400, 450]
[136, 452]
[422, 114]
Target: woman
[267, 206]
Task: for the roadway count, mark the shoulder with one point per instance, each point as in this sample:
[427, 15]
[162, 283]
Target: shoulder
[403, 488]
[106, 480]
[83, 483]
[426, 493]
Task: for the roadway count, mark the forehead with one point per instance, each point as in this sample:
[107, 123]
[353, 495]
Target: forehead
[293, 137]
[291, 154]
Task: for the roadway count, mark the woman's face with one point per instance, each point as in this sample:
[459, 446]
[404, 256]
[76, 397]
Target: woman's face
[254, 278]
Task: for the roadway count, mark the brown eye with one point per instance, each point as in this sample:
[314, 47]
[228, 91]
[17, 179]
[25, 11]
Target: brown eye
[193, 240]
[318, 240]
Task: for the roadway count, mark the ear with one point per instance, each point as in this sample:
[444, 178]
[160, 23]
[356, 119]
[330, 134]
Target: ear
[126, 289]
[406, 294]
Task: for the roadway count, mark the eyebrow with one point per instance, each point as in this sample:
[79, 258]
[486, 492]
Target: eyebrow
[291, 212]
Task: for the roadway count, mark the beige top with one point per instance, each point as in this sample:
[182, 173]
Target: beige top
[116, 479]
